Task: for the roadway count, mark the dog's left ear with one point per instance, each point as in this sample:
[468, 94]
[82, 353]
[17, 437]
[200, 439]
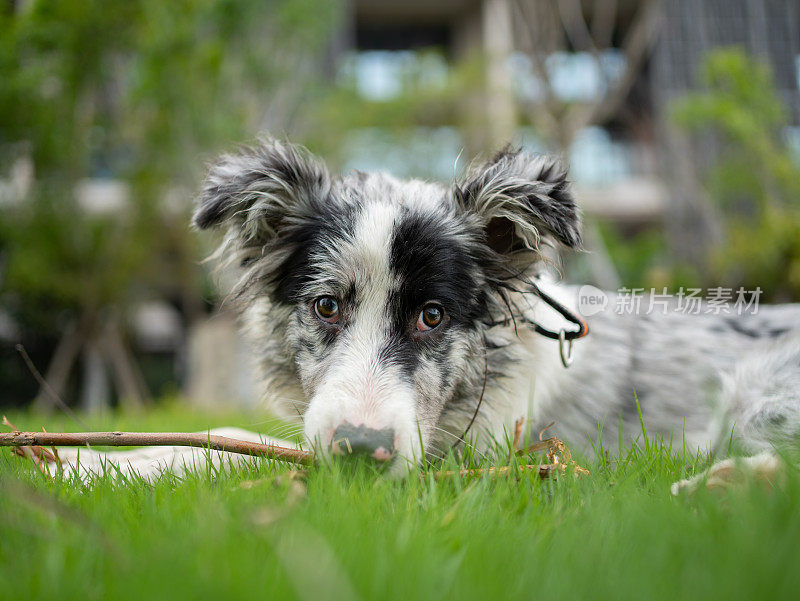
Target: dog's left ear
[520, 198]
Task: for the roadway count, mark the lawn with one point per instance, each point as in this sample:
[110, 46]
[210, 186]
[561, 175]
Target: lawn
[346, 533]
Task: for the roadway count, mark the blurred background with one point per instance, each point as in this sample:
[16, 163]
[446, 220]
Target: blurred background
[680, 120]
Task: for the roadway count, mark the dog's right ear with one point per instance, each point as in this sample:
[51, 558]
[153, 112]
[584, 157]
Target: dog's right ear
[256, 190]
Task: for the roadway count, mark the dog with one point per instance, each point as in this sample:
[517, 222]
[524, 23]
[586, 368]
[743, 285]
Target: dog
[403, 319]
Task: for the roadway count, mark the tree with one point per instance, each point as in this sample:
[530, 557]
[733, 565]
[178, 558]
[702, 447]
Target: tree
[755, 183]
[548, 27]
[142, 92]
[617, 44]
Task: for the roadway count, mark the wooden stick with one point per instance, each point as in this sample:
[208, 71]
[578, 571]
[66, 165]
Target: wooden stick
[517, 433]
[154, 439]
[223, 443]
[544, 445]
[36, 452]
[545, 471]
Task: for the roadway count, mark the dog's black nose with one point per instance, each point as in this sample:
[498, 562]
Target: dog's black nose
[361, 440]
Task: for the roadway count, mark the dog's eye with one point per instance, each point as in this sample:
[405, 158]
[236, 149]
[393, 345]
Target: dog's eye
[430, 317]
[327, 309]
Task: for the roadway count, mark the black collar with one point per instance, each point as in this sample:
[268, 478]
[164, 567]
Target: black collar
[583, 327]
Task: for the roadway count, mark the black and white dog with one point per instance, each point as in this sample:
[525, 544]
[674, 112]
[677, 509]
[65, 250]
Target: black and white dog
[402, 318]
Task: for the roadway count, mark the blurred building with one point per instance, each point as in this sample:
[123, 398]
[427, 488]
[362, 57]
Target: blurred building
[614, 163]
[618, 163]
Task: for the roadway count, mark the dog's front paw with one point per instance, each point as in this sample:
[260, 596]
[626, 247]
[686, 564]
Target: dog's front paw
[765, 469]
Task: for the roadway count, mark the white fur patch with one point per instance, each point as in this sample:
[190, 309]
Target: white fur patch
[358, 385]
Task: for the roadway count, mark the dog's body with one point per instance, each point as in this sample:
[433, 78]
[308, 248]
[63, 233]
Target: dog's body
[397, 315]
[696, 378]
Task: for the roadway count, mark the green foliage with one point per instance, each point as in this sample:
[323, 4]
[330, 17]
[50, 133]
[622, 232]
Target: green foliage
[83, 262]
[144, 92]
[756, 184]
[640, 260]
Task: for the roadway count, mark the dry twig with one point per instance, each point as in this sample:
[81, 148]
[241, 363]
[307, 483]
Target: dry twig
[545, 471]
[558, 454]
[34, 452]
[45, 387]
[150, 439]
[31, 443]
[558, 457]
[518, 432]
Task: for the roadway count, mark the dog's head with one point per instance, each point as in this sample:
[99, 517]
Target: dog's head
[377, 293]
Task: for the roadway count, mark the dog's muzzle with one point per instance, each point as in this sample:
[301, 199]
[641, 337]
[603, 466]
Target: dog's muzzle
[350, 440]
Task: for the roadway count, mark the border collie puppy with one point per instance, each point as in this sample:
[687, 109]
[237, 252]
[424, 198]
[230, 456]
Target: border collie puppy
[403, 318]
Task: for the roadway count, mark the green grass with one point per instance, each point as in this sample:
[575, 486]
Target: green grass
[347, 534]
